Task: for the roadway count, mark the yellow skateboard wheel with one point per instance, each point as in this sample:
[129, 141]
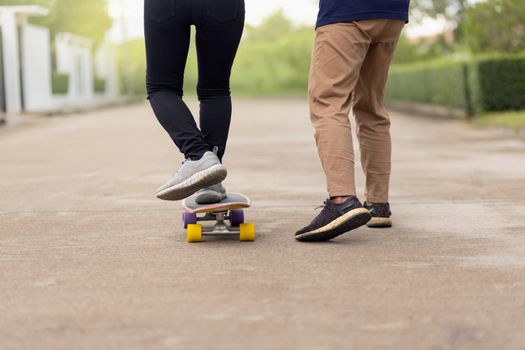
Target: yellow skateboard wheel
[194, 233]
[247, 233]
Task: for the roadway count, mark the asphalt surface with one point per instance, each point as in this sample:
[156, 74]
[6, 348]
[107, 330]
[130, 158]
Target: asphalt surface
[89, 259]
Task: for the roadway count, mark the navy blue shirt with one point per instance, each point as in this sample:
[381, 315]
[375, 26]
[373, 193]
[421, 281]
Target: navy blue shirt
[340, 11]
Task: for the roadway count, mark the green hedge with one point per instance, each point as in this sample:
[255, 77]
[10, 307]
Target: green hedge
[99, 85]
[59, 83]
[499, 83]
[477, 85]
[440, 83]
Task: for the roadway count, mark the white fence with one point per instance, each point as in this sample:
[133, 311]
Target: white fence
[36, 73]
[28, 67]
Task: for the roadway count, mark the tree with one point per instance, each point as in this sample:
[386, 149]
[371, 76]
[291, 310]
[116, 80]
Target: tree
[496, 26]
[45, 3]
[452, 10]
[89, 18]
[422, 49]
[272, 28]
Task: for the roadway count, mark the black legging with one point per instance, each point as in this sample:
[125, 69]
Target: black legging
[219, 25]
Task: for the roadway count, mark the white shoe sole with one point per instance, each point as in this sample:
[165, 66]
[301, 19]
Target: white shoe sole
[380, 223]
[211, 176]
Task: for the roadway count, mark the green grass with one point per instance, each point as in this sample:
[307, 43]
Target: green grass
[508, 120]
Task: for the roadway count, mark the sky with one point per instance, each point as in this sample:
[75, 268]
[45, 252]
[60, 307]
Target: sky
[299, 11]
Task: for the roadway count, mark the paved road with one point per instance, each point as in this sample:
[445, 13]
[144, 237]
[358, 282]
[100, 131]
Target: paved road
[90, 260]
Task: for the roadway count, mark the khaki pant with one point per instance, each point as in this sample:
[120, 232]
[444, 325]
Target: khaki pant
[350, 63]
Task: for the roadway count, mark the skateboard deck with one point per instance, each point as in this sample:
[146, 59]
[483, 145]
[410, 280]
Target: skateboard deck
[228, 216]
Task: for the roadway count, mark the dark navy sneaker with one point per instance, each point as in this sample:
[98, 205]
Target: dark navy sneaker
[334, 220]
[380, 215]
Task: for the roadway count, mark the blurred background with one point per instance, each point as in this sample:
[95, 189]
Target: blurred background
[463, 56]
[90, 259]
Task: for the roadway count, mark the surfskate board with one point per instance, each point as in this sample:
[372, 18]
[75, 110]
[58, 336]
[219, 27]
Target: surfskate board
[227, 215]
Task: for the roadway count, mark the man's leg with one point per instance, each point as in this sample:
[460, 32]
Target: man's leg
[373, 121]
[336, 61]
[339, 51]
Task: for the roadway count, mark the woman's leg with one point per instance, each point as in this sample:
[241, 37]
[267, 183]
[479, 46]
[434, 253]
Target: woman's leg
[167, 33]
[219, 30]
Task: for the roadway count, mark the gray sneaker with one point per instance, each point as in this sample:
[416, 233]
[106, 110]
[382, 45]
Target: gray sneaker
[211, 194]
[193, 176]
